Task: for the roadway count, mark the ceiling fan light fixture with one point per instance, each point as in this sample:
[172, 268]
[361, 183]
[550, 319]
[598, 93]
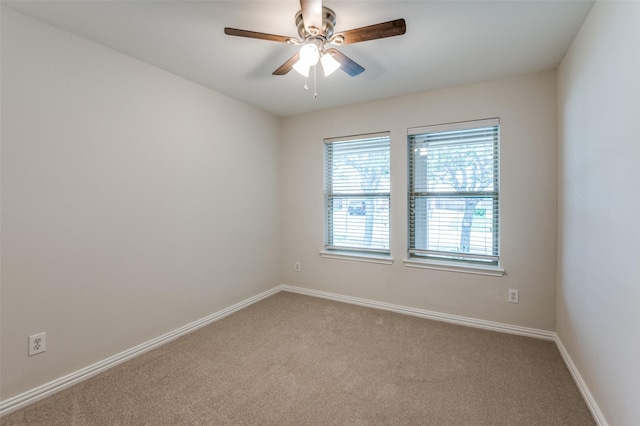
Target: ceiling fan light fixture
[302, 68]
[329, 64]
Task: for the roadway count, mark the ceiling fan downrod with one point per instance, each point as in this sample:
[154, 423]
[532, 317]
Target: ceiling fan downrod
[325, 33]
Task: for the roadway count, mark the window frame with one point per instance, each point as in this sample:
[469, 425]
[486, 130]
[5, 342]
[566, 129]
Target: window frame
[330, 193]
[439, 259]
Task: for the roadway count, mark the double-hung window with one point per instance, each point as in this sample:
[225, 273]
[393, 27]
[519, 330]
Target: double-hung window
[454, 193]
[356, 192]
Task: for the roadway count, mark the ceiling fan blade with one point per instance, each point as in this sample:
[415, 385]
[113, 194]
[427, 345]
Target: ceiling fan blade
[261, 36]
[348, 65]
[311, 14]
[287, 66]
[372, 32]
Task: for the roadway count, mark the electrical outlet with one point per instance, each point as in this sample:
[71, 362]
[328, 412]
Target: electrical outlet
[297, 267]
[513, 296]
[37, 343]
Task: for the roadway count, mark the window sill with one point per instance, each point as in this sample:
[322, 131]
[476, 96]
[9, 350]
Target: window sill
[493, 271]
[357, 257]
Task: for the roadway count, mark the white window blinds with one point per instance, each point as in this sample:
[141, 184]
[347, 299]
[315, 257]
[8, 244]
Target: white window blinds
[454, 192]
[356, 188]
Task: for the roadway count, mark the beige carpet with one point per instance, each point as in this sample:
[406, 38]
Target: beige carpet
[298, 360]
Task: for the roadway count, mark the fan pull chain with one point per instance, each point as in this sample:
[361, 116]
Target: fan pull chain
[315, 83]
[315, 92]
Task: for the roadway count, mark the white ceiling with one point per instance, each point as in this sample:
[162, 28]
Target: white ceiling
[447, 43]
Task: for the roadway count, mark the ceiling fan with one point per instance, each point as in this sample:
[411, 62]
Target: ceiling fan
[315, 25]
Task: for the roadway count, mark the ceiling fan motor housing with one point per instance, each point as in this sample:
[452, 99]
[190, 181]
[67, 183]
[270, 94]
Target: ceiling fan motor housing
[324, 33]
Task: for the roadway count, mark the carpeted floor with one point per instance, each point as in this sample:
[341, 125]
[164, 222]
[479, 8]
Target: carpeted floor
[298, 360]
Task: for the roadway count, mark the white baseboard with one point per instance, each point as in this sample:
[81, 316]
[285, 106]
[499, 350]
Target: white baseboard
[470, 322]
[64, 382]
[61, 383]
[422, 313]
[582, 386]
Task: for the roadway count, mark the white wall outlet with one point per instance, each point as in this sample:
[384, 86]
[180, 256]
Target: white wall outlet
[297, 267]
[513, 296]
[37, 343]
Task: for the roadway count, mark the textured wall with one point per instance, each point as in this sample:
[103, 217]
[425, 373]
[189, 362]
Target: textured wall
[526, 107]
[598, 293]
[133, 202]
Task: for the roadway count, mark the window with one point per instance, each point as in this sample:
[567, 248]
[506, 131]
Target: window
[454, 193]
[356, 190]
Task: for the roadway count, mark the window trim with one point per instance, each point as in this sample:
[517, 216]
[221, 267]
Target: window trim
[357, 256]
[455, 266]
[444, 264]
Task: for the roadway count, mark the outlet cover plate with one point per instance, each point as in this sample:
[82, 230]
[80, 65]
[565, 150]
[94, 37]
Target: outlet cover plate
[37, 343]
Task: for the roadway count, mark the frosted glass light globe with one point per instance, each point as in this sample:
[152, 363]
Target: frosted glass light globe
[309, 54]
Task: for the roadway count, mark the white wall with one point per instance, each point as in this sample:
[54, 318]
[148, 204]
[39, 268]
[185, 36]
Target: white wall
[527, 109]
[598, 295]
[129, 199]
